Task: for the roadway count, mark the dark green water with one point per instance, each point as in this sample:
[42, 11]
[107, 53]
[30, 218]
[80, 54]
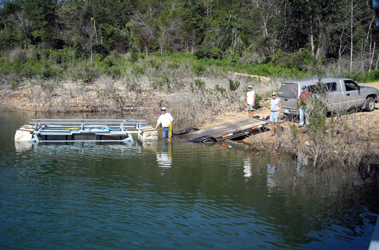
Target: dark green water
[176, 196]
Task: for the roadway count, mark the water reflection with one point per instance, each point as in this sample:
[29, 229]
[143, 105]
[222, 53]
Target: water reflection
[164, 158]
[247, 170]
[71, 149]
[163, 151]
[111, 195]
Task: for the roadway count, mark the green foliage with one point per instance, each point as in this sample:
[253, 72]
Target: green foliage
[199, 84]
[79, 51]
[371, 76]
[233, 85]
[228, 34]
[220, 89]
[15, 84]
[101, 50]
[299, 60]
[258, 99]
[20, 57]
[198, 68]
[356, 75]
[133, 55]
[86, 73]
[294, 131]
[138, 70]
[208, 52]
[161, 81]
[317, 113]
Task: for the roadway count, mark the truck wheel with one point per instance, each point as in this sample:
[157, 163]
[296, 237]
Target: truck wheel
[370, 104]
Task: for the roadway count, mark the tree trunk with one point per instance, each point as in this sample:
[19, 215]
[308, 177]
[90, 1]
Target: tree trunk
[312, 45]
[352, 35]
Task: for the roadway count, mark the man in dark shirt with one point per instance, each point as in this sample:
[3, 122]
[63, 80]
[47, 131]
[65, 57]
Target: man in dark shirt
[303, 104]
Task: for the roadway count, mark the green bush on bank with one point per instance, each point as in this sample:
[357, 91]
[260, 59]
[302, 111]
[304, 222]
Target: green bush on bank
[360, 76]
[65, 64]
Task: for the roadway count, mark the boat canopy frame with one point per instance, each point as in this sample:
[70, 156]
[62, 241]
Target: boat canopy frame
[54, 130]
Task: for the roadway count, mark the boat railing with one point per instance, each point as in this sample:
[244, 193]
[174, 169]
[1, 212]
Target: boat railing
[66, 129]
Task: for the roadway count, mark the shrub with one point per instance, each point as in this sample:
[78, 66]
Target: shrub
[220, 89]
[199, 84]
[233, 86]
[133, 55]
[101, 50]
[161, 81]
[258, 99]
[138, 70]
[198, 68]
[205, 51]
[355, 75]
[19, 56]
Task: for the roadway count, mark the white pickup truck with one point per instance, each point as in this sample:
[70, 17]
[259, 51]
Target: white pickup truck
[342, 94]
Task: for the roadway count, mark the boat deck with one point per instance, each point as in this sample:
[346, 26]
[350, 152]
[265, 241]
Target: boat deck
[99, 129]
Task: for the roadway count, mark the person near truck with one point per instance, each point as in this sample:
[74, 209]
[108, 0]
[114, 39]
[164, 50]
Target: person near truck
[250, 101]
[166, 120]
[303, 104]
[276, 109]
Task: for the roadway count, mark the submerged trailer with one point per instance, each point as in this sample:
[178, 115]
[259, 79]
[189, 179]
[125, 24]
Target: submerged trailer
[53, 130]
[231, 130]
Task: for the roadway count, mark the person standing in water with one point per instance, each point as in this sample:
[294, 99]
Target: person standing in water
[166, 120]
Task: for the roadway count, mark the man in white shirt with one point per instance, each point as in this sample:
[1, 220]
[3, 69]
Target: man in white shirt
[250, 101]
[165, 119]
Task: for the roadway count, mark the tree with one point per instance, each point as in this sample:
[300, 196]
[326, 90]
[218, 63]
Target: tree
[168, 23]
[269, 10]
[24, 27]
[146, 30]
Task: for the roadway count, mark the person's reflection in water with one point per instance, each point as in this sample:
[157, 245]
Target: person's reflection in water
[164, 158]
[248, 172]
[300, 169]
[271, 177]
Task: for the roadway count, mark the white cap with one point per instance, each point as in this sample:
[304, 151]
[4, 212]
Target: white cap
[250, 87]
[163, 108]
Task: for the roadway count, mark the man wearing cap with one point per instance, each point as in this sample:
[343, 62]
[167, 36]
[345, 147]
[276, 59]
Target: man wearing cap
[276, 109]
[250, 101]
[165, 119]
[303, 104]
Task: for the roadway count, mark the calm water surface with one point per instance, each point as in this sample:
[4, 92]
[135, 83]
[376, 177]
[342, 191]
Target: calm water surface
[176, 196]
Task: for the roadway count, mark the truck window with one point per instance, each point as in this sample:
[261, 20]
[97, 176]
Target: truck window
[327, 87]
[312, 89]
[350, 85]
[288, 90]
[330, 86]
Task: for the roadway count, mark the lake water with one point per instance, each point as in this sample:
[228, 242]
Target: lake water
[176, 196]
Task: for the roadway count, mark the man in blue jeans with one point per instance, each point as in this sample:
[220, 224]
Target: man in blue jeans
[276, 110]
[165, 119]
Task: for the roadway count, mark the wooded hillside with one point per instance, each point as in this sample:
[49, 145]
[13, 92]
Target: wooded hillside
[250, 31]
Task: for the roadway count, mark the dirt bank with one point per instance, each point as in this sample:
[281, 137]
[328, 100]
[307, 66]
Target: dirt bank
[364, 123]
